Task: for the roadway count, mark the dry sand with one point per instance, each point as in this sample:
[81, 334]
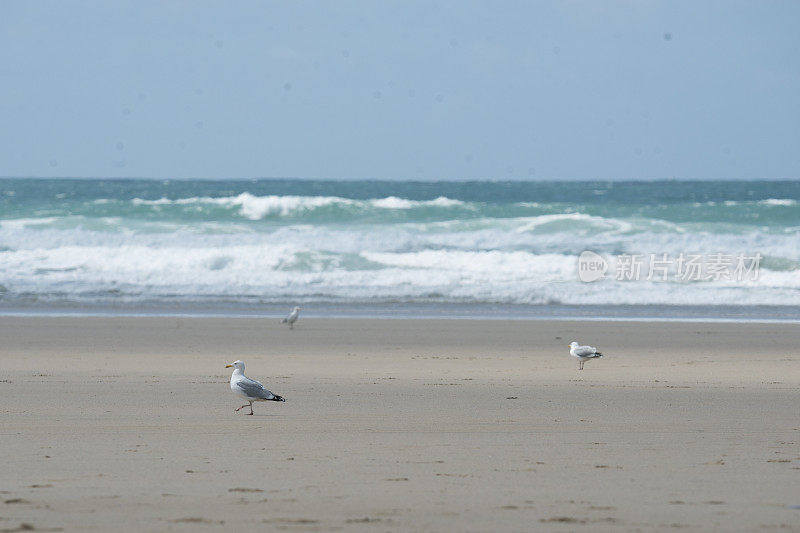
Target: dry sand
[127, 424]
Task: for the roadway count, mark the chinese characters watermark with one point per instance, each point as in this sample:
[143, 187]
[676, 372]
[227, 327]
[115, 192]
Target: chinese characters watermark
[665, 267]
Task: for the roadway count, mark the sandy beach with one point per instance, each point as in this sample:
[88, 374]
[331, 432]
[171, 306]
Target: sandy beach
[128, 424]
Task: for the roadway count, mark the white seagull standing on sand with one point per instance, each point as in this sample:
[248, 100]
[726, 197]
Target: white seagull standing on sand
[250, 389]
[584, 353]
[292, 318]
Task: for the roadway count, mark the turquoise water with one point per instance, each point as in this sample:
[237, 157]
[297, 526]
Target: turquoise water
[242, 244]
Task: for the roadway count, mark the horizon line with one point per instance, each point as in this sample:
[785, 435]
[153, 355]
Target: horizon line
[421, 180]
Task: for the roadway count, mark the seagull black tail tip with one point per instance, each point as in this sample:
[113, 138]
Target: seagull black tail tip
[278, 399]
[598, 354]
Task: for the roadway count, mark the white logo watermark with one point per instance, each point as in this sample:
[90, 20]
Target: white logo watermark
[663, 267]
[591, 266]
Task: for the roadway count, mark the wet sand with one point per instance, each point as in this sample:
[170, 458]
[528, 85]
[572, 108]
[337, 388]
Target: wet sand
[128, 424]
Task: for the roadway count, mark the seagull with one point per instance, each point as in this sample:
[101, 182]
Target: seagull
[292, 318]
[250, 389]
[584, 353]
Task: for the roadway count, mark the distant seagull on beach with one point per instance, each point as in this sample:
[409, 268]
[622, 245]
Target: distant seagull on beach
[250, 389]
[583, 353]
[292, 318]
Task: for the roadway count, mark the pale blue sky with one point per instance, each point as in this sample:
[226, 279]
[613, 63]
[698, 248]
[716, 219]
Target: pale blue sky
[421, 90]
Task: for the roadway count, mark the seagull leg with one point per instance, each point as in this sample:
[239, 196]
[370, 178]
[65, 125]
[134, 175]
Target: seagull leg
[251, 408]
[581, 367]
[242, 407]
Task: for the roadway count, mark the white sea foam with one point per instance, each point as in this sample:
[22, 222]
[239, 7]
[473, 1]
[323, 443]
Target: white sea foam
[393, 202]
[257, 207]
[297, 268]
[778, 201]
[733, 203]
[160, 201]
[19, 223]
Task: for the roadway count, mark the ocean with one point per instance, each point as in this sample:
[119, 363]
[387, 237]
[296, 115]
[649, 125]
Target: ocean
[401, 248]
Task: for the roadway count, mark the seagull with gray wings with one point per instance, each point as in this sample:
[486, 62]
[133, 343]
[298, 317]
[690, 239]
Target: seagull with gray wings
[249, 389]
[292, 318]
[583, 353]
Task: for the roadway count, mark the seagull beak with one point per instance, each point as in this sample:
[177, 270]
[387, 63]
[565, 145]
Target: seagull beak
[228, 366]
